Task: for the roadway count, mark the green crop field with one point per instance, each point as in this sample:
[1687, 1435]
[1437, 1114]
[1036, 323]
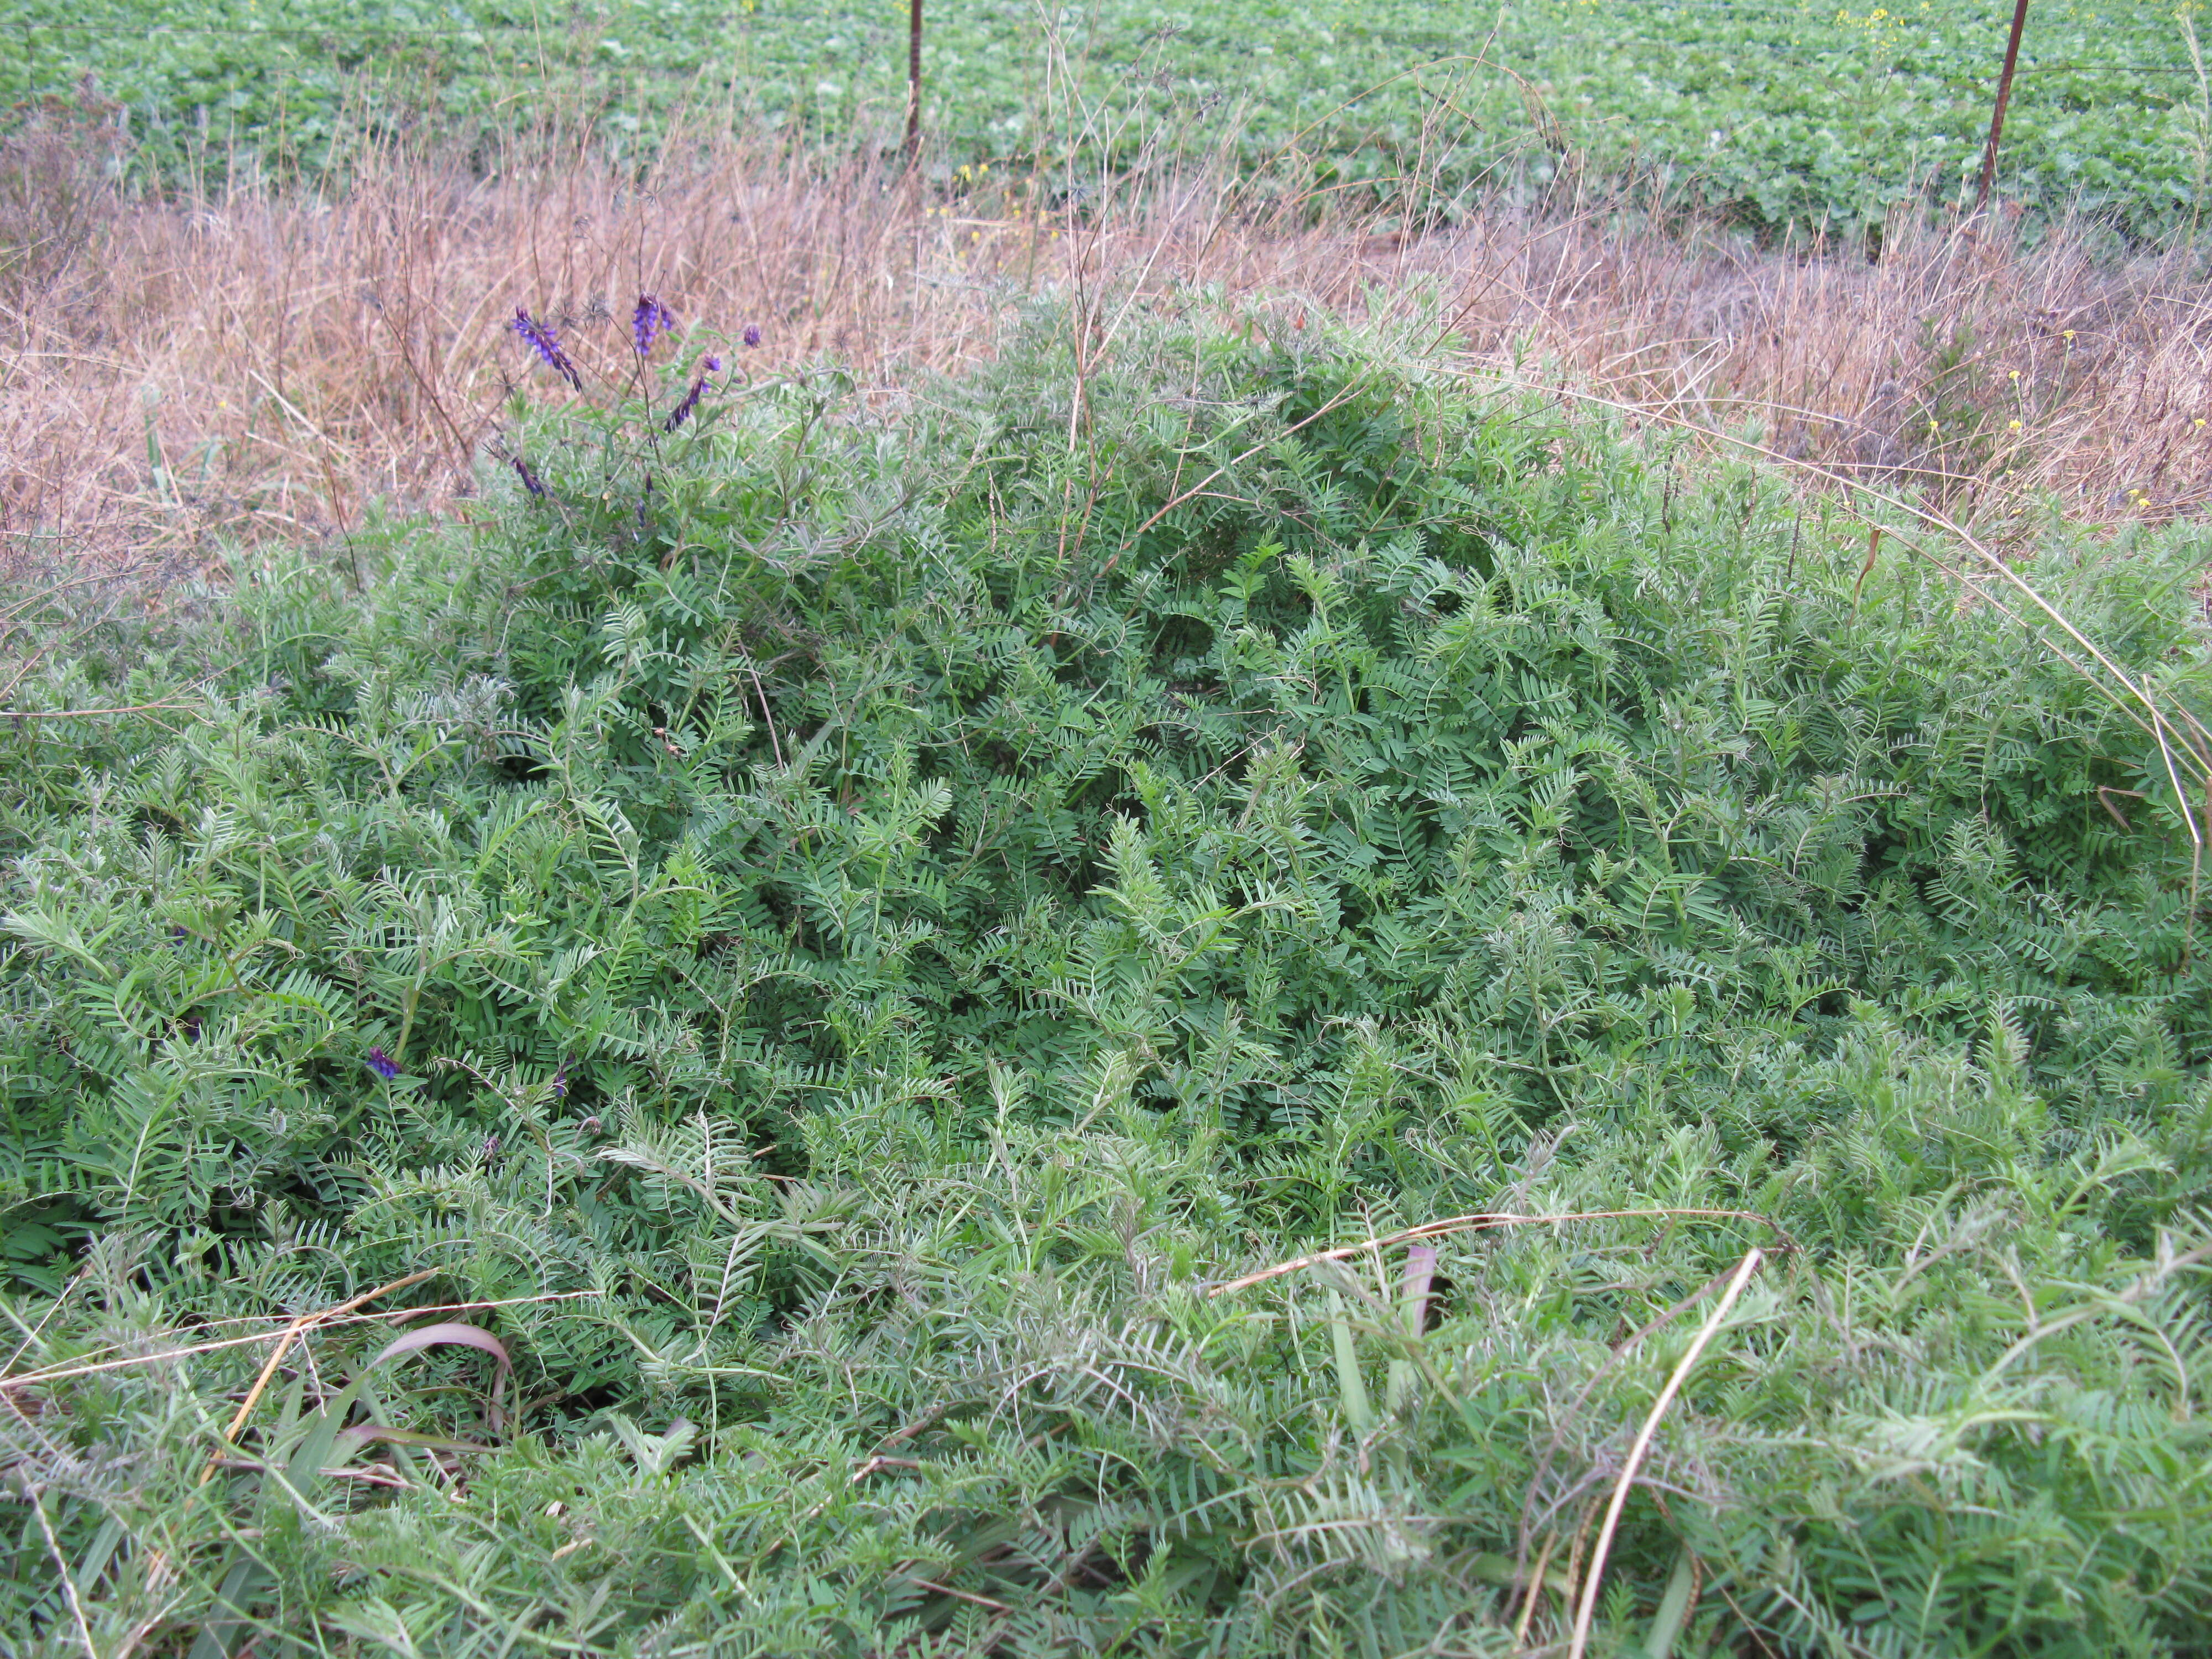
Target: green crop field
[1775, 114]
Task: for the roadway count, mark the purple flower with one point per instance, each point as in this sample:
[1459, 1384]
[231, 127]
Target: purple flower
[690, 402]
[752, 334]
[383, 1065]
[542, 341]
[530, 481]
[713, 365]
[650, 320]
[561, 1082]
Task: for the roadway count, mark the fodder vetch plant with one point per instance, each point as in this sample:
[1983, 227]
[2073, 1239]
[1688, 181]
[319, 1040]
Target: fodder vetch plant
[849, 964]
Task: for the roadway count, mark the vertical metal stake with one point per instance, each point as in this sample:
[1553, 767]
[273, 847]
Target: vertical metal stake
[1997, 117]
[913, 83]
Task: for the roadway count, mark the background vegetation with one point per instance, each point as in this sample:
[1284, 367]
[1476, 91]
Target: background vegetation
[1773, 114]
[872, 925]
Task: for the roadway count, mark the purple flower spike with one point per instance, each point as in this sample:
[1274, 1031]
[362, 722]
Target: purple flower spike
[530, 481]
[542, 341]
[713, 365]
[650, 321]
[561, 1082]
[383, 1065]
[752, 334]
[690, 402]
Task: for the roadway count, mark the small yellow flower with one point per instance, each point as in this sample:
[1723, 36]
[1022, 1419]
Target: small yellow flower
[2016, 374]
[2200, 420]
[2067, 337]
[2015, 426]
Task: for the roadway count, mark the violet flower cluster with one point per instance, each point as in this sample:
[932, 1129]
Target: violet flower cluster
[649, 321]
[541, 340]
[683, 411]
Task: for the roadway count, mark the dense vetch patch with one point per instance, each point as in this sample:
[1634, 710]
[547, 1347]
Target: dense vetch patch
[832, 939]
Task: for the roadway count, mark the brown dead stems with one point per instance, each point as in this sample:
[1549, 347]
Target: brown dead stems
[267, 364]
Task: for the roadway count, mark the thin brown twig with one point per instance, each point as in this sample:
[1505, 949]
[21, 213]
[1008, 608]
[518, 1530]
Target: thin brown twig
[767, 717]
[1353, 389]
[1591, 1580]
[304, 1322]
[1620, 1352]
[85, 714]
[1534, 1589]
[64, 1373]
[1749, 1628]
[32, 1335]
[62, 1567]
[1482, 1220]
[958, 1594]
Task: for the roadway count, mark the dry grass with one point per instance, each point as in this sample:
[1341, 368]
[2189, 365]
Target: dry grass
[267, 364]
[1971, 366]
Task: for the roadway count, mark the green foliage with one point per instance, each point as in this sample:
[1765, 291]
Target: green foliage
[875, 922]
[1778, 114]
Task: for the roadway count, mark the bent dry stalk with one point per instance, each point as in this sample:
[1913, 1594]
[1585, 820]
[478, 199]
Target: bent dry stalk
[1591, 1580]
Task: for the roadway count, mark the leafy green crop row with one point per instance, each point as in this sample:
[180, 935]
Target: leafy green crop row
[1775, 113]
[869, 926]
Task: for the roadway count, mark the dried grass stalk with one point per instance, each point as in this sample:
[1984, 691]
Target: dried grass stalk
[266, 363]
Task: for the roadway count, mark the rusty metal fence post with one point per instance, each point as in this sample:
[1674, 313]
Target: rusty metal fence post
[1997, 116]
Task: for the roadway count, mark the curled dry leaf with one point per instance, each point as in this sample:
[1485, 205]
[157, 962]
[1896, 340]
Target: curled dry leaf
[472, 1336]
